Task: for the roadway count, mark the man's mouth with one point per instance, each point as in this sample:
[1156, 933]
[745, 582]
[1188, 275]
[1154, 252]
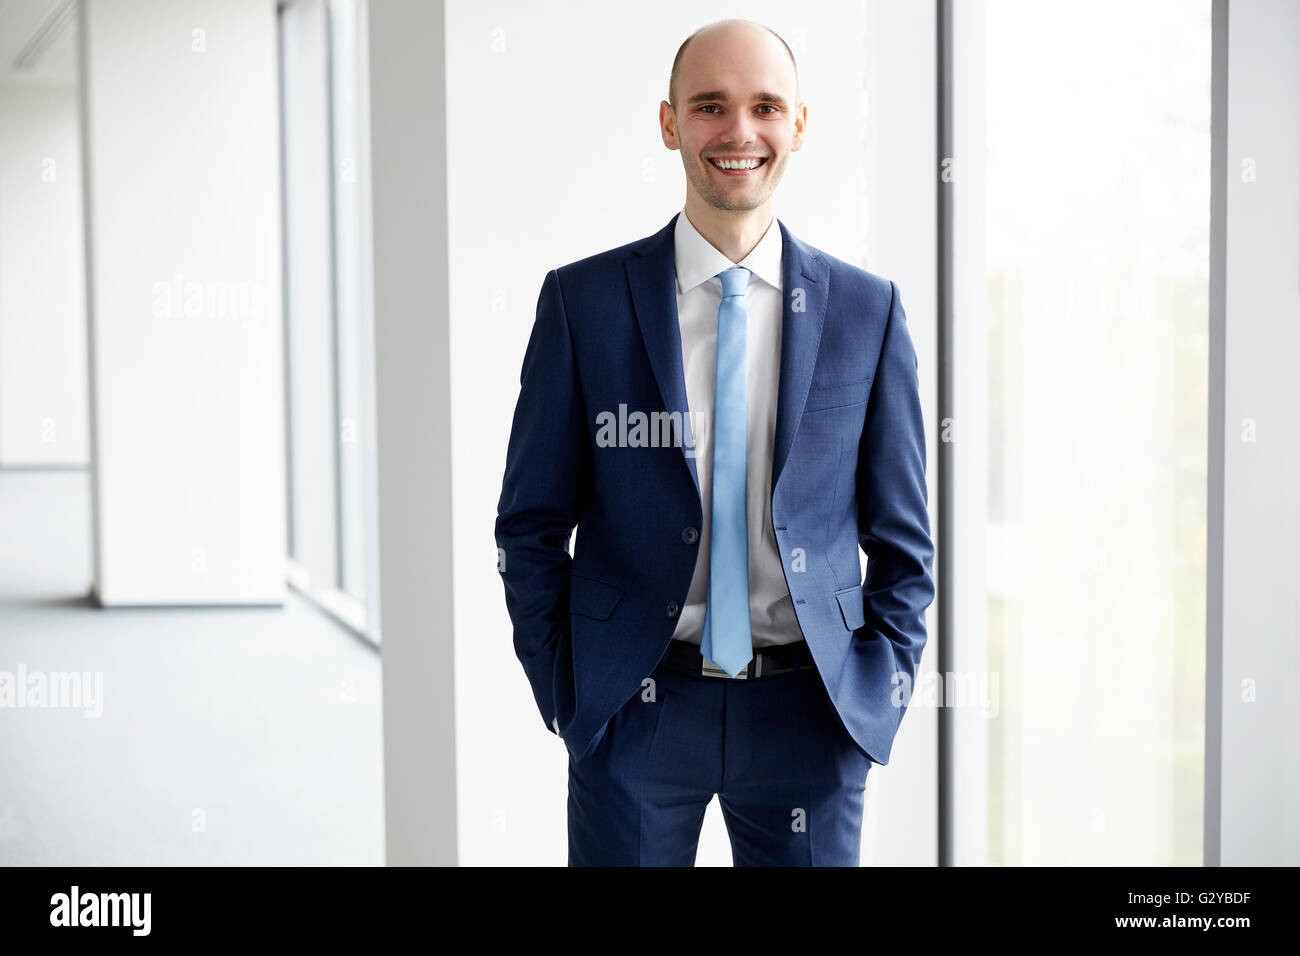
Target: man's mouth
[737, 165]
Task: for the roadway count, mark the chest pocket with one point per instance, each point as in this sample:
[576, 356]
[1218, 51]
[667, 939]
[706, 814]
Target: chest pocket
[837, 396]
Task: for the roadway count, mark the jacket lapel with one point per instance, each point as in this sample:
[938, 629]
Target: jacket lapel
[652, 276]
[805, 287]
[804, 278]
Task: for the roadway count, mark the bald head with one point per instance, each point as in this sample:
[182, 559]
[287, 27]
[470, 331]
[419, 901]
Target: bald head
[728, 31]
[735, 116]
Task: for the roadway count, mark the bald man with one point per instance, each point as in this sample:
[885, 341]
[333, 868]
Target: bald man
[726, 414]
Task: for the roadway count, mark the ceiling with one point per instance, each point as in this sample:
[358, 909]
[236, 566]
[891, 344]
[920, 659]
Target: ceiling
[38, 42]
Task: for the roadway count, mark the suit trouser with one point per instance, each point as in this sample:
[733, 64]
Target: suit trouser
[789, 778]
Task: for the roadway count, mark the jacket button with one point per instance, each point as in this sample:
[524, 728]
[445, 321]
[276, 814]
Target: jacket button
[673, 608]
[690, 535]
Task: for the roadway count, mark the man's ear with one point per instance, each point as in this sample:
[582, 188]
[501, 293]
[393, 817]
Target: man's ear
[668, 125]
[800, 127]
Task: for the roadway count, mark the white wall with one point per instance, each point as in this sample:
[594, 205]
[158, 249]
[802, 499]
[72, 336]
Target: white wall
[408, 148]
[1252, 711]
[43, 406]
[901, 229]
[181, 139]
[554, 154]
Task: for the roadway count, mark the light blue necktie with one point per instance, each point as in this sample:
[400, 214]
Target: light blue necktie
[727, 641]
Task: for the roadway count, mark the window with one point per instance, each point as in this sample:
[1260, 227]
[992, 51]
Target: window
[1095, 269]
[327, 306]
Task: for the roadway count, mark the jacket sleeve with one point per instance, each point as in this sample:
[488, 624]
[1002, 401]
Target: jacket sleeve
[547, 466]
[893, 513]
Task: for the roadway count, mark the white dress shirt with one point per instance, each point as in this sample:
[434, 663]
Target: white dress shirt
[699, 294]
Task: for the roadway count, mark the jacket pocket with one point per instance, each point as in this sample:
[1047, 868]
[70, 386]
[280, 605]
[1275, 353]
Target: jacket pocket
[837, 396]
[592, 598]
[850, 601]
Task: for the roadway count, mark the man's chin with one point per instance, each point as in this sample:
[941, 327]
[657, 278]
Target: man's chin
[746, 203]
[739, 201]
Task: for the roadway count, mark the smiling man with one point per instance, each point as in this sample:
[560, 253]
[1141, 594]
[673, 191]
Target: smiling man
[711, 632]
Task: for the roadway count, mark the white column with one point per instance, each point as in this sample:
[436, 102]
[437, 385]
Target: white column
[969, 444]
[182, 216]
[408, 137]
[1252, 748]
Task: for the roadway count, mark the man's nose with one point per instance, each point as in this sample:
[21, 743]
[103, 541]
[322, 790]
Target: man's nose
[742, 130]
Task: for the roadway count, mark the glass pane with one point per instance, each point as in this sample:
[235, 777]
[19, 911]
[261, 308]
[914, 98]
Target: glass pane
[1097, 244]
[308, 290]
[344, 93]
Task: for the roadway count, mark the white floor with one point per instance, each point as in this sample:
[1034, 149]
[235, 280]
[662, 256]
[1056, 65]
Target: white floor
[227, 736]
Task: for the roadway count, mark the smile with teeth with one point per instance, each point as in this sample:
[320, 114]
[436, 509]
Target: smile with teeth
[738, 164]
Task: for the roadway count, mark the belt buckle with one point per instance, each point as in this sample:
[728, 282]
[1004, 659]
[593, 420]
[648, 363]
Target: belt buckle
[710, 669]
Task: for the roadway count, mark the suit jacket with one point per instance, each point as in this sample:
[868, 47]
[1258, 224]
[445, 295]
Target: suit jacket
[848, 471]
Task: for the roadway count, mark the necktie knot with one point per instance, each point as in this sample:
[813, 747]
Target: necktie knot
[734, 281]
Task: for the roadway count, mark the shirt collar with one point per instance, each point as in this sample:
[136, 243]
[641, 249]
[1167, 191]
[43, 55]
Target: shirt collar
[697, 260]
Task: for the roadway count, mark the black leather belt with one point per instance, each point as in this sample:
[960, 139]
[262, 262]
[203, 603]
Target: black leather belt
[685, 658]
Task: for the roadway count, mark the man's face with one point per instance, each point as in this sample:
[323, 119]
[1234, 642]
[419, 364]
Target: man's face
[736, 108]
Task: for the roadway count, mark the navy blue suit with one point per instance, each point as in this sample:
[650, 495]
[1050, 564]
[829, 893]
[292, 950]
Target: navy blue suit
[848, 471]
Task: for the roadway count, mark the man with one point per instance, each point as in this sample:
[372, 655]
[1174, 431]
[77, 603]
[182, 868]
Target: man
[725, 414]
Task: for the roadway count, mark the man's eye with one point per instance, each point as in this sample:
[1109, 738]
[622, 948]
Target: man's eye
[708, 106]
[768, 106]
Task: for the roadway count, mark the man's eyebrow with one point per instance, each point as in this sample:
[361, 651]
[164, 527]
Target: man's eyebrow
[775, 99]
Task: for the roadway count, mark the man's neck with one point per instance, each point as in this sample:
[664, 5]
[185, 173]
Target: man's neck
[734, 234]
